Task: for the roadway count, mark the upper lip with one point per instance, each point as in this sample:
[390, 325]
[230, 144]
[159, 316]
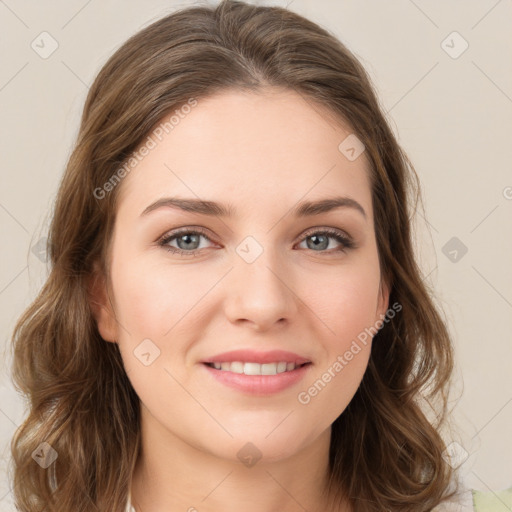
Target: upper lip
[252, 356]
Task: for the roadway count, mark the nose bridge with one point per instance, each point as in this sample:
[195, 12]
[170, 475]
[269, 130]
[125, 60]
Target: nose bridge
[261, 291]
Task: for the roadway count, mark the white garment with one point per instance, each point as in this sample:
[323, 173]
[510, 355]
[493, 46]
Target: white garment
[463, 502]
[129, 506]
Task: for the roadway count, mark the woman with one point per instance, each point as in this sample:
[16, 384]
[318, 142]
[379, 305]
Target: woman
[280, 361]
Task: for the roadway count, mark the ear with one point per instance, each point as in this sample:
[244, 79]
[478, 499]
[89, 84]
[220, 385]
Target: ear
[383, 299]
[101, 306]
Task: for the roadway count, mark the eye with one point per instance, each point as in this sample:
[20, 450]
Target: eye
[320, 240]
[188, 240]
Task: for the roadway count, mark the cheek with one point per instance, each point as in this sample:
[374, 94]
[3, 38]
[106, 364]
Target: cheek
[345, 301]
[151, 299]
[343, 363]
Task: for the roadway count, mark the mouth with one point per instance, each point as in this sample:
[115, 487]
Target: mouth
[251, 368]
[257, 379]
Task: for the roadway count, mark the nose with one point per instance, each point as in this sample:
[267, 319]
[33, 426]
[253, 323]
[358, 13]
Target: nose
[261, 293]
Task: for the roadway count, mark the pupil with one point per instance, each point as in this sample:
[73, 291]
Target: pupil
[189, 237]
[324, 245]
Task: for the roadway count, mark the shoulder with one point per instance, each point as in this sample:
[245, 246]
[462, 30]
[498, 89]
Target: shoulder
[472, 500]
[492, 501]
[462, 501]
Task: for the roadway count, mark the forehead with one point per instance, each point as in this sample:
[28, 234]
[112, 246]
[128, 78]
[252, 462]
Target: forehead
[252, 149]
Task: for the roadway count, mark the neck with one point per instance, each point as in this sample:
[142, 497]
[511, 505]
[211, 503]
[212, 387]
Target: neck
[170, 475]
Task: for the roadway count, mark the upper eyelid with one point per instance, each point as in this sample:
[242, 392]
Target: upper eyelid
[204, 232]
[179, 231]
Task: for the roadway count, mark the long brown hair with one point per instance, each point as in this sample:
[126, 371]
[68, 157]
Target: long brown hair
[385, 454]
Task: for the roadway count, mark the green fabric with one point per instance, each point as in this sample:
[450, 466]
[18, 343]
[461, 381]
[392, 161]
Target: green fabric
[499, 501]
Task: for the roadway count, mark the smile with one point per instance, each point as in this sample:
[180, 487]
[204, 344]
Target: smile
[255, 378]
[255, 368]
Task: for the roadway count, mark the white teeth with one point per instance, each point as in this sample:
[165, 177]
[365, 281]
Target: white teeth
[252, 369]
[255, 368]
[235, 367]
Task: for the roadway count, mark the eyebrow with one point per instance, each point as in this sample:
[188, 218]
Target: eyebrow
[204, 207]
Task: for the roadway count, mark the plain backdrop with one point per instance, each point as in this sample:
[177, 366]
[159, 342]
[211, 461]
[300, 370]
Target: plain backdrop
[442, 70]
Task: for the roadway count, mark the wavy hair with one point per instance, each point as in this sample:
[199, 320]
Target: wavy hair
[385, 454]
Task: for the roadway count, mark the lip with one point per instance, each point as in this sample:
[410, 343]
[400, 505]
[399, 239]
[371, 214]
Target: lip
[252, 356]
[258, 384]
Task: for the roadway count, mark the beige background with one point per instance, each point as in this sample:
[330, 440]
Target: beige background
[452, 115]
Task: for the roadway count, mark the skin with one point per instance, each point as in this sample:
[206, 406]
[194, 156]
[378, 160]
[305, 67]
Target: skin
[262, 153]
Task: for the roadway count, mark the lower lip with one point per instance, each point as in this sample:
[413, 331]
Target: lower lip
[259, 384]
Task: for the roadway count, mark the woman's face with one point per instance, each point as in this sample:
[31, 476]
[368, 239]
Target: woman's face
[262, 278]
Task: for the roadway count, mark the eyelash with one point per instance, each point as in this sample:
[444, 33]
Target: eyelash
[346, 242]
